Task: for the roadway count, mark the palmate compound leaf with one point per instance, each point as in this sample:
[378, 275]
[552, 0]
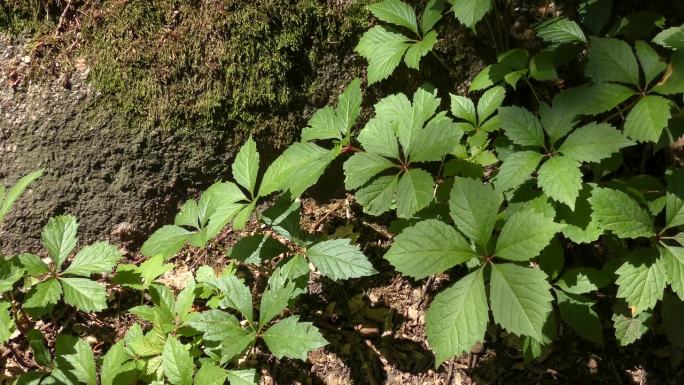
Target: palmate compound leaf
[296, 169]
[525, 234]
[339, 259]
[520, 299]
[469, 12]
[329, 123]
[383, 50]
[458, 317]
[616, 211]
[420, 49]
[293, 339]
[428, 247]
[474, 207]
[516, 170]
[561, 179]
[236, 295]
[612, 60]
[647, 119]
[59, 237]
[641, 280]
[177, 362]
[246, 165]
[593, 142]
[377, 137]
[100, 257]
[673, 261]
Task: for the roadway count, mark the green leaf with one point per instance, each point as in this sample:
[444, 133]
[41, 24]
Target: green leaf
[349, 105]
[378, 138]
[469, 12]
[560, 178]
[274, 300]
[84, 294]
[165, 242]
[32, 264]
[395, 12]
[647, 119]
[520, 299]
[7, 325]
[296, 169]
[651, 63]
[362, 167]
[83, 363]
[177, 362]
[112, 363]
[525, 234]
[671, 38]
[463, 108]
[59, 238]
[579, 314]
[43, 294]
[437, 139]
[552, 259]
[591, 99]
[543, 66]
[410, 121]
[417, 50]
[217, 325]
[36, 341]
[414, 192]
[383, 50]
[489, 102]
[594, 142]
[559, 30]
[7, 200]
[431, 14]
[293, 339]
[246, 165]
[322, 125]
[612, 60]
[673, 262]
[516, 170]
[153, 268]
[243, 377]
[674, 204]
[641, 280]
[100, 257]
[339, 259]
[377, 197]
[521, 126]
[672, 81]
[428, 247]
[210, 374]
[458, 317]
[474, 207]
[236, 295]
[630, 328]
[256, 248]
[581, 280]
[616, 211]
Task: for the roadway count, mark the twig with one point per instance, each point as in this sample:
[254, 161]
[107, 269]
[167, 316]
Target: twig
[321, 219]
[61, 18]
[428, 283]
[615, 372]
[451, 373]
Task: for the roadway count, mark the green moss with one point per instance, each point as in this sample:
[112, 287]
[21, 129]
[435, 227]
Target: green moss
[233, 64]
[32, 15]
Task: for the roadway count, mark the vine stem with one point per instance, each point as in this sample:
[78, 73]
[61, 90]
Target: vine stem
[536, 97]
[439, 59]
